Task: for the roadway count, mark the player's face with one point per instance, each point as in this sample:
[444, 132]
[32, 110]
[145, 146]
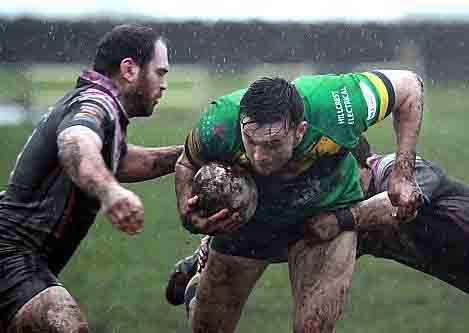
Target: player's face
[151, 82]
[270, 146]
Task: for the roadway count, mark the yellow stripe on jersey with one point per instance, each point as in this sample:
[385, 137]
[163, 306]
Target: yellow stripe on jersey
[241, 159]
[324, 146]
[383, 94]
[193, 147]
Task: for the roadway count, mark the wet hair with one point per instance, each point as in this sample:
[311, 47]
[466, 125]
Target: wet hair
[362, 151]
[125, 41]
[269, 100]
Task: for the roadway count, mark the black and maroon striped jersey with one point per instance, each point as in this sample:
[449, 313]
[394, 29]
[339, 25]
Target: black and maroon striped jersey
[42, 209]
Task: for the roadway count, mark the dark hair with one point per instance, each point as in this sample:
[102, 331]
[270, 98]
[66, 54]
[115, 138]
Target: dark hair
[125, 41]
[272, 99]
[362, 151]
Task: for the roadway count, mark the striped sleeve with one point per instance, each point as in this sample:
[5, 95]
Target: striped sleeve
[192, 148]
[380, 98]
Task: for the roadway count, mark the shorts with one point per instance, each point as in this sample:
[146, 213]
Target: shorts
[23, 275]
[436, 242]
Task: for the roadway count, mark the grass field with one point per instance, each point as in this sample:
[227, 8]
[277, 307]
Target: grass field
[119, 281]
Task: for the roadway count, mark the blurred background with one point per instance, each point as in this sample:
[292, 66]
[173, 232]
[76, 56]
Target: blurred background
[215, 48]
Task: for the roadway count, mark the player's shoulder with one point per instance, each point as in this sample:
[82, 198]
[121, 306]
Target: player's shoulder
[223, 112]
[226, 106]
[231, 99]
[218, 133]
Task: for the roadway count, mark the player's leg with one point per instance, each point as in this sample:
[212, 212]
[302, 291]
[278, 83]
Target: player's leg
[224, 287]
[321, 277]
[184, 270]
[53, 310]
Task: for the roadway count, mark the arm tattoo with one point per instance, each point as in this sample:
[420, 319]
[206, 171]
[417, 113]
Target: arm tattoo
[166, 163]
[142, 163]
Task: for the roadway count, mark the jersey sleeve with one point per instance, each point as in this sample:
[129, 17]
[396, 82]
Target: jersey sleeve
[379, 97]
[88, 114]
[216, 137]
[342, 107]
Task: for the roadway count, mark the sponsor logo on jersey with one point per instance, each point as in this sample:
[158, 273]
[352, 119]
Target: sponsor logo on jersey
[369, 99]
[343, 106]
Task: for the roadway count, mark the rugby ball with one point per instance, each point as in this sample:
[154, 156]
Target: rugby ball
[222, 186]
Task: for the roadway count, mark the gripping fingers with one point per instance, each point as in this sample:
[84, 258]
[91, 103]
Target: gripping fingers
[233, 223]
[223, 222]
[222, 214]
[193, 201]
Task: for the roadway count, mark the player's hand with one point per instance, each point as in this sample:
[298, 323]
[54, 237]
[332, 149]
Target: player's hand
[223, 221]
[404, 194]
[124, 210]
[321, 228]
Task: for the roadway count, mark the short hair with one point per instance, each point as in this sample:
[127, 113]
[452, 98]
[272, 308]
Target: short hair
[362, 151]
[125, 41]
[268, 100]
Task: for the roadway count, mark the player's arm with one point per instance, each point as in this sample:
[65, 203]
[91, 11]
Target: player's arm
[142, 163]
[79, 151]
[368, 214]
[187, 201]
[407, 115]
[184, 175]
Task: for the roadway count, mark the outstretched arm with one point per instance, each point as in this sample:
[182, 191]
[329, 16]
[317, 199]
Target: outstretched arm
[368, 214]
[141, 163]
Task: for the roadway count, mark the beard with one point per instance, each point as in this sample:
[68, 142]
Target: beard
[138, 99]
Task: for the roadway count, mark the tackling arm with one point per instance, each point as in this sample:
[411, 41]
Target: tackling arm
[368, 214]
[141, 163]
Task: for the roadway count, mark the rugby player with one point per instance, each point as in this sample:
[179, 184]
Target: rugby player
[434, 242]
[295, 138]
[69, 168]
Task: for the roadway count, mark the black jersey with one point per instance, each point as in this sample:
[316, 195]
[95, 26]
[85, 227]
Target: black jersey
[42, 209]
[437, 240]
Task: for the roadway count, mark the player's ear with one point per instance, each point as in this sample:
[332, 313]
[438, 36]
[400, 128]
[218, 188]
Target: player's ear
[300, 131]
[129, 70]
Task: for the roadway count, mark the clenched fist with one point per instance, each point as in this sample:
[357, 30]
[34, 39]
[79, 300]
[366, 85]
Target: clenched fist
[124, 210]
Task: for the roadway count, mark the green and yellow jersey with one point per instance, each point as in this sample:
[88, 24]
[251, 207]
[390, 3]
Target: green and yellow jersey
[338, 109]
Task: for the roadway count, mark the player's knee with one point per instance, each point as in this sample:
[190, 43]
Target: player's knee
[53, 310]
[314, 324]
[342, 253]
[53, 321]
[67, 320]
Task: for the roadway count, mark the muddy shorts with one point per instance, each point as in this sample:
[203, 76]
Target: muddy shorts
[22, 276]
